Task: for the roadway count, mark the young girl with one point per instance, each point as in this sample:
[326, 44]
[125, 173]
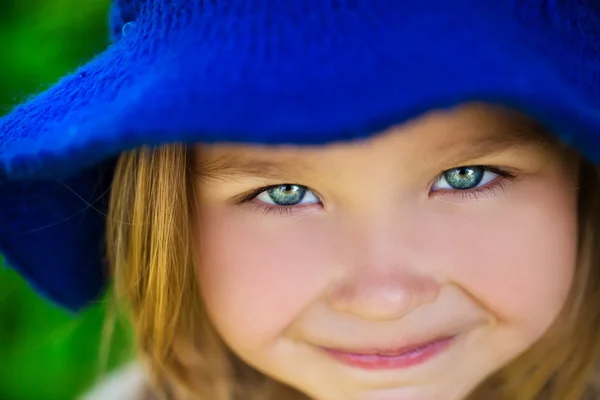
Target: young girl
[328, 200]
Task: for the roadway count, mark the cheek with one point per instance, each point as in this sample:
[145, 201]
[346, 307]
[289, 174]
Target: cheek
[257, 273]
[517, 256]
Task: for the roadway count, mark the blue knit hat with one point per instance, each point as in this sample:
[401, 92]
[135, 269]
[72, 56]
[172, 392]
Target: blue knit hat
[272, 72]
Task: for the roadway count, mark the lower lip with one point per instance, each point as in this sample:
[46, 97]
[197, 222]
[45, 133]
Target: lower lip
[407, 359]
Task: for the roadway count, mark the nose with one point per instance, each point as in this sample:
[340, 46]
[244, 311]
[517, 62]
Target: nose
[383, 295]
[385, 268]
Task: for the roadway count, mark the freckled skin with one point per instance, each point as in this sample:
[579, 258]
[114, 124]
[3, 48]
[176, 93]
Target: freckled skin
[383, 260]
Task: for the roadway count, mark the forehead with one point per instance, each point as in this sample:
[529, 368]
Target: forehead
[468, 131]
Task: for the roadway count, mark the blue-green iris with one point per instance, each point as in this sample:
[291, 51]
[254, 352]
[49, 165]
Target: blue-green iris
[464, 178]
[287, 195]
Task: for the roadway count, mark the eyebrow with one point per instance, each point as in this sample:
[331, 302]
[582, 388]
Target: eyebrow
[226, 167]
[513, 136]
[230, 166]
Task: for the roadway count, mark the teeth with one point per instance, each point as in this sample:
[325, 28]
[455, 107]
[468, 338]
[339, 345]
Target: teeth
[407, 353]
[416, 352]
[410, 353]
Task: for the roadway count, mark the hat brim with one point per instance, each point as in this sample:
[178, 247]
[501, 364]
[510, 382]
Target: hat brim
[314, 89]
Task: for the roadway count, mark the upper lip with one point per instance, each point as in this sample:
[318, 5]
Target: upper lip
[388, 351]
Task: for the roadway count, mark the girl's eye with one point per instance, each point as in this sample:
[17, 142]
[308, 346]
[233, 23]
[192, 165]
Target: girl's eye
[465, 178]
[287, 195]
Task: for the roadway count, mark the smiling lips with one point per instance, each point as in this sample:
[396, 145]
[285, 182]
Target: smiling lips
[391, 358]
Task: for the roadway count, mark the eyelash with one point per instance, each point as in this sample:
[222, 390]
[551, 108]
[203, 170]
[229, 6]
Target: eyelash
[268, 209]
[279, 211]
[491, 188]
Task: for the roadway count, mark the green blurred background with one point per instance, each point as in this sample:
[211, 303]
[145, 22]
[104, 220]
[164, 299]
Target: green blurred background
[46, 353]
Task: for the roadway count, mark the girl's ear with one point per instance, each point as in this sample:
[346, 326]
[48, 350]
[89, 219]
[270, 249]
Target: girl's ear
[123, 12]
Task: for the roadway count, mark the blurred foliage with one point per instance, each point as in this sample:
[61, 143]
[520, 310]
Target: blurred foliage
[45, 352]
[41, 40]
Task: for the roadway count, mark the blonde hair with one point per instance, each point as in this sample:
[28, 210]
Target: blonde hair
[149, 243]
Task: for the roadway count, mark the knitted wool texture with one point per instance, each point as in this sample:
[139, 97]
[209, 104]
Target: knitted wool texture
[272, 72]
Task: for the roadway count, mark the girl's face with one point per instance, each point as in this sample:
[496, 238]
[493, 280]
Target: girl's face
[408, 266]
